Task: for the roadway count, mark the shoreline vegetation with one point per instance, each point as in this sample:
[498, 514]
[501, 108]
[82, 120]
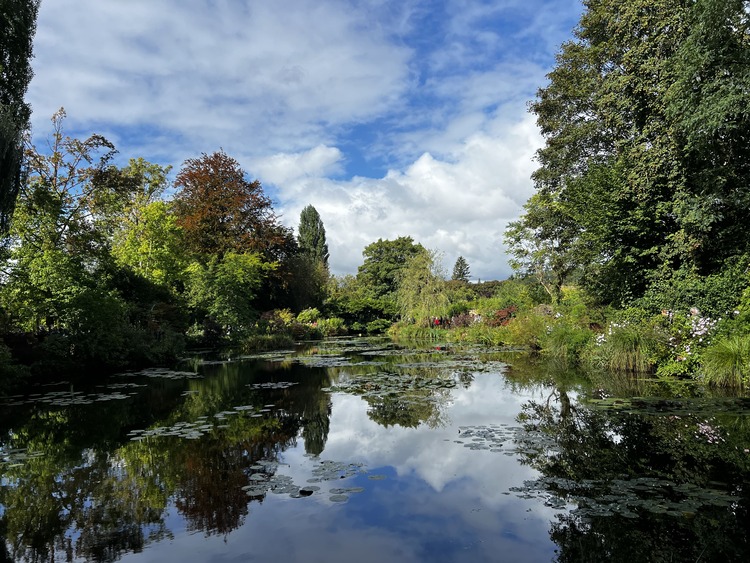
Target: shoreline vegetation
[631, 258]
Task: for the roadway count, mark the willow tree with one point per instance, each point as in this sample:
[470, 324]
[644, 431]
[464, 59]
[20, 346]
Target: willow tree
[421, 291]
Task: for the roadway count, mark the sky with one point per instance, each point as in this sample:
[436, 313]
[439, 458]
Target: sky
[391, 117]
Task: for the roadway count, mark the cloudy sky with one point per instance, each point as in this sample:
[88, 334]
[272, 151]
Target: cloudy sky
[392, 117]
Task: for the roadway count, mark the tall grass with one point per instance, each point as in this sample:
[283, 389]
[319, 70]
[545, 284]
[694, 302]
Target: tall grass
[726, 363]
[565, 343]
[628, 348]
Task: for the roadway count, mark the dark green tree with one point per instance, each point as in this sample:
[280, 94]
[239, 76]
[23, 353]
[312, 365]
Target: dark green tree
[461, 270]
[17, 28]
[312, 235]
[384, 260]
[643, 173]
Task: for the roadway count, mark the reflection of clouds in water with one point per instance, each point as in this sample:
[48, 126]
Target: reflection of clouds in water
[432, 454]
[445, 503]
[406, 525]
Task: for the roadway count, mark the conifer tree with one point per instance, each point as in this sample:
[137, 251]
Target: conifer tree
[461, 270]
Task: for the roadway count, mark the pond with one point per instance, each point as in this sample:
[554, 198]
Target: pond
[363, 450]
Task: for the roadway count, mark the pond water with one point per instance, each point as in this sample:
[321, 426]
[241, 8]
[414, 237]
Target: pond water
[363, 450]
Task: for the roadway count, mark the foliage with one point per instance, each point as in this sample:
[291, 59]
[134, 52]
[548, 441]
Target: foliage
[726, 363]
[641, 182]
[17, 28]
[421, 296]
[627, 348]
[333, 326]
[308, 315]
[312, 235]
[384, 260]
[461, 270]
[565, 342]
[220, 211]
[223, 289]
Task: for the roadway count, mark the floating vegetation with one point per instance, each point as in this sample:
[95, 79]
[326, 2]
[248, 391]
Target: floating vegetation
[324, 361]
[739, 406]
[16, 457]
[491, 437]
[68, 398]
[264, 479]
[386, 383]
[197, 429]
[272, 385]
[624, 497]
[161, 373]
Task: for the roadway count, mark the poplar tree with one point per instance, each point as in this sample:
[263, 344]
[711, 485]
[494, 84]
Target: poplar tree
[312, 235]
[17, 28]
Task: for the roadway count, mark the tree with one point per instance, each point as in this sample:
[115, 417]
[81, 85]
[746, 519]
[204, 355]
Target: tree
[220, 211]
[312, 235]
[17, 28]
[421, 291]
[643, 171]
[708, 105]
[461, 270]
[224, 288]
[57, 247]
[383, 261]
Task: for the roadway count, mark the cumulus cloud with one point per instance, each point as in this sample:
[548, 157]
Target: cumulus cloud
[458, 207]
[391, 118]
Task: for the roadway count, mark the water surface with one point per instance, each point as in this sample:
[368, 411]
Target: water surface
[361, 450]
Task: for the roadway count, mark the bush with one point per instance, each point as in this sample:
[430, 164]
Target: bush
[378, 326]
[530, 328]
[334, 326]
[309, 316]
[565, 343]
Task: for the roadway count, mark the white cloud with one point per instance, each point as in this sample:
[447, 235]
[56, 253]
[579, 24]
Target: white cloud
[288, 87]
[459, 207]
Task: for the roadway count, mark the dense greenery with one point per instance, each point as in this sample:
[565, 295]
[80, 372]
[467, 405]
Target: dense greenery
[17, 28]
[631, 256]
[643, 180]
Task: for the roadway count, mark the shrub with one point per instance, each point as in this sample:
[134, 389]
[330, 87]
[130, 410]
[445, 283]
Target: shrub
[378, 326]
[530, 328]
[334, 326]
[565, 343]
[310, 315]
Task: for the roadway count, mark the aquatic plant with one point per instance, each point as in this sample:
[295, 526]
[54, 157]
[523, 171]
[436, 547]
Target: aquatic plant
[626, 347]
[565, 343]
[726, 363]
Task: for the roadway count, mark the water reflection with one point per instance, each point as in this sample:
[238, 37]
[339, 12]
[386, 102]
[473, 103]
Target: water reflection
[360, 450]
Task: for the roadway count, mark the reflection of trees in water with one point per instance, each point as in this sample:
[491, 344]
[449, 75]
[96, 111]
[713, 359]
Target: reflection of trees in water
[642, 481]
[114, 495]
[407, 394]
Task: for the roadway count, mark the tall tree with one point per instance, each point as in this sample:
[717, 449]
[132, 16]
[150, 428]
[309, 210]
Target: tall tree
[421, 290]
[611, 169]
[461, 270]
[312, 235]
[708, 104]
[17, 28]
[221, 211]
[384, 260]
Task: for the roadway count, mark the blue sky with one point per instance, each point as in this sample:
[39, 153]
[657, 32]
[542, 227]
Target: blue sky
[392, 118]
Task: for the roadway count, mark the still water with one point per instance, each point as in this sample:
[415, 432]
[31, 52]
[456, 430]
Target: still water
[362, 450]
